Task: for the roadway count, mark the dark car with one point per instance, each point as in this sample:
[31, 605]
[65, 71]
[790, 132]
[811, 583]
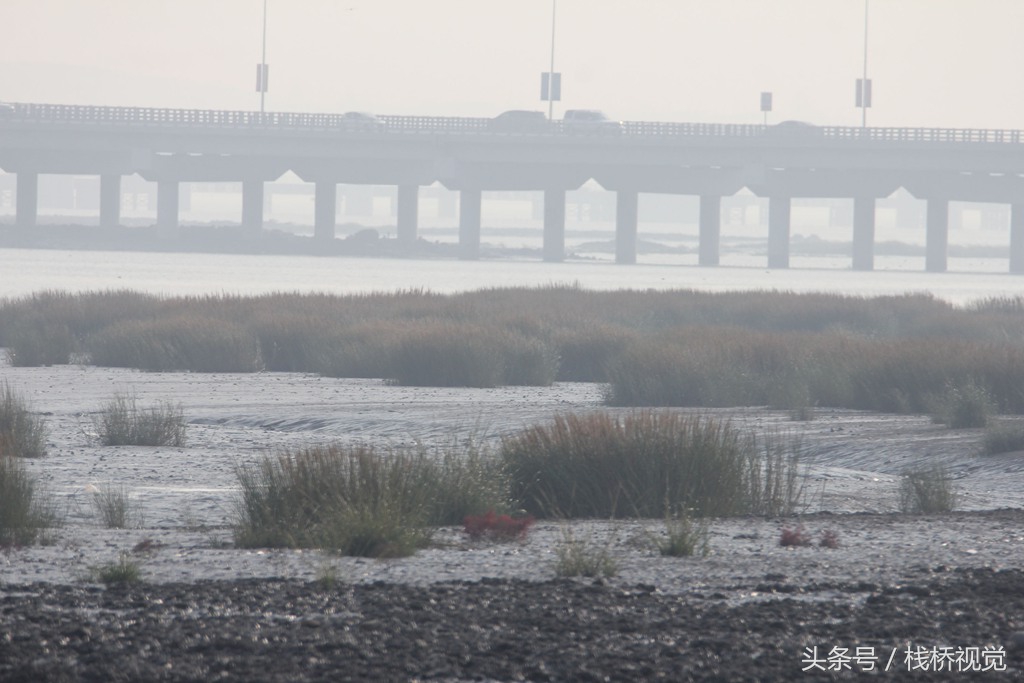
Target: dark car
[519, 121]
[792, 129]
[360, 121]
[590, 122]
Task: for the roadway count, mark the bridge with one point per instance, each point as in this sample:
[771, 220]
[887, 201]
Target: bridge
[471, 155]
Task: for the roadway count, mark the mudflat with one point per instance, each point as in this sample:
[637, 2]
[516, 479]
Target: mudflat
[913, 597]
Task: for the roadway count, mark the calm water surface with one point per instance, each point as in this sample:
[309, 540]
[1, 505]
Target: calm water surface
[23, 271]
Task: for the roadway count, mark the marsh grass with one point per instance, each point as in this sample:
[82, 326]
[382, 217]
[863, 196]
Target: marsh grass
[599, 465]
[683, 536]
[116, 509]
[22, 434]
[1003, 437]
[963, 406]
[26, 510]
[927, 490]
[671, 348]
[358, 500]
[124, 571]
[123, 422]
[585, 557]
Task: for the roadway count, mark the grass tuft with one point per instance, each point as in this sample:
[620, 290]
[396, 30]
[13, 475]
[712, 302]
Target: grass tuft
[599, 465]
[24, 510]
[123, 423]
[124, 571]
[116, 509]
[583, 557]
[22, 434]
[683, 537]
[927, 490]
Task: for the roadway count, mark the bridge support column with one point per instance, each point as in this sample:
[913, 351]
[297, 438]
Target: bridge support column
[554, 225]
[252, 205]
[627, 205]
[863, 233]
[937, 235]
[470, 210]
[325, 208]
[778, 231]
[710, 230]
[27, 199]
[1017, 238]
[168, 194]
[408, 214]
[110, 200]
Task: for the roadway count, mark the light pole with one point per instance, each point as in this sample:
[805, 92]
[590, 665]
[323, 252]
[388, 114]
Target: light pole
[262, 70]
[864, 87]
[551, 70]
[551, 82]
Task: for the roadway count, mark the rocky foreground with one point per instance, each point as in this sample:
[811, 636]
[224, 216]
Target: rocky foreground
[951, 625]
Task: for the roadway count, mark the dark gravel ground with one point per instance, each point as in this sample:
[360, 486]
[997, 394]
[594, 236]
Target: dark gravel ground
[561, 630]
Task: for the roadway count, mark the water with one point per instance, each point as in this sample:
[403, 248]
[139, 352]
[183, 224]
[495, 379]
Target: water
[23, 271]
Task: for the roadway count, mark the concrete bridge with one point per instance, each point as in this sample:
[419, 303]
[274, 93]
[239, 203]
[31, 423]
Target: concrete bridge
[469, 155]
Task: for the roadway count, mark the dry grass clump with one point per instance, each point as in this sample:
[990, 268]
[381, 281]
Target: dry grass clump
[123, 423]
[927, 490]
[1004, 437]
[116, 509]
[25, 510]
[360, 501]
[22, 434]
[600, 465]
[584, 557]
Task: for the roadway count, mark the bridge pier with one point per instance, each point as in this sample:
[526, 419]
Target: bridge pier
[168, 194]
[325, 210]
[1017, 238]
[408, 214]
[470, 210]
[627, 204]
[253, 204]
[110, 200]
[937, 235]
[863, 233]
[26, 206]
[710, 230]
[779, 209]
[554, 225]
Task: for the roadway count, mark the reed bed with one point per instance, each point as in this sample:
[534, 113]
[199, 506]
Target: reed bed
[671, 348]
[647, 464]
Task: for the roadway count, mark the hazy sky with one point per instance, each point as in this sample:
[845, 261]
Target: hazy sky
[954, 63]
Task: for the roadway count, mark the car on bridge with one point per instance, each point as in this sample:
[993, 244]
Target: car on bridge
[792, 129]
[360, 121]
[590, 122]
[519, 121]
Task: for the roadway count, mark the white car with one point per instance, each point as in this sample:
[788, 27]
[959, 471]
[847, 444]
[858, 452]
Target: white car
[590, 122]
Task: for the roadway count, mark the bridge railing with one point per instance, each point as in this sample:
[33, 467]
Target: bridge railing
[142, 116]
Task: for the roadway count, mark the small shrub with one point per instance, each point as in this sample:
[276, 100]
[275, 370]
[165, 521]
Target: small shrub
[795, 538]
[578, 557]
[24, 510]
[125, 570]
[496, 528]
[22, 434]
[683, 537]
[124, 423]
[357, 500]
[963, 406]
[599, 465]
[829, 539]
[1004, 438]
[927, 490]
[114, 507]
